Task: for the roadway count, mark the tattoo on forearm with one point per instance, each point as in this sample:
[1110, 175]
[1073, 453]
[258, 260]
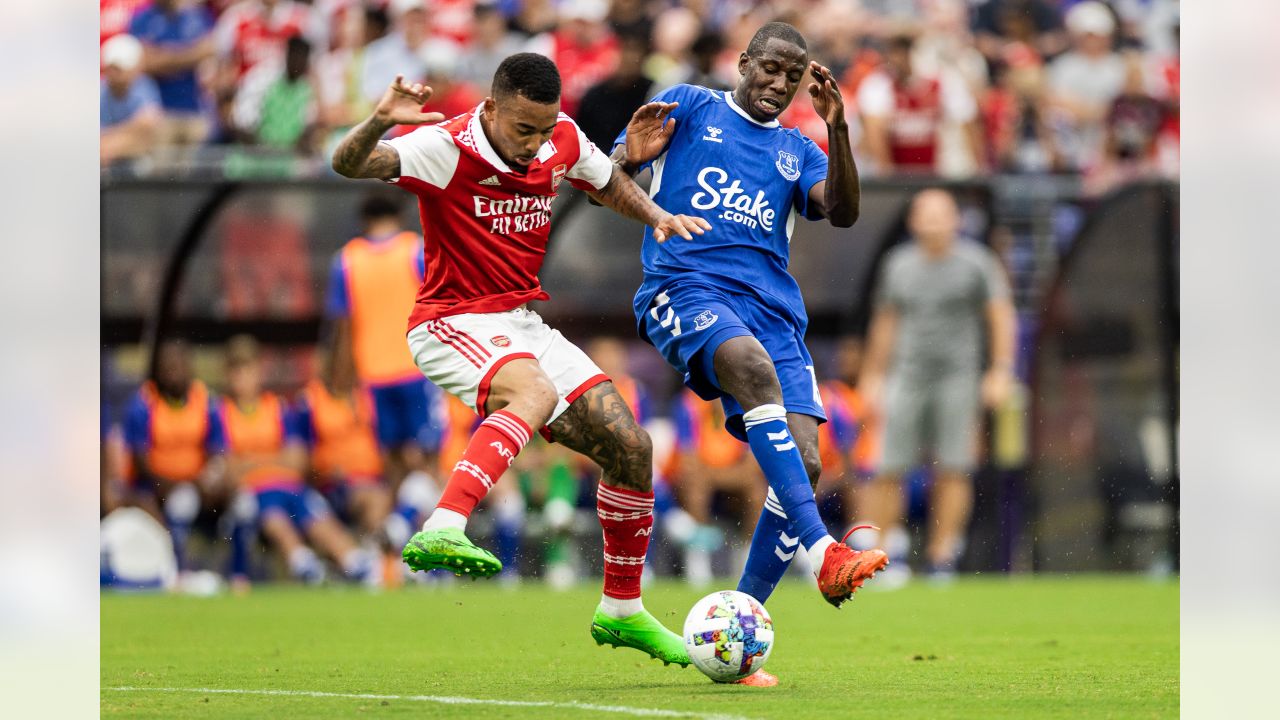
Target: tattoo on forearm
[624, 196]
[600, 425]
[361, 154]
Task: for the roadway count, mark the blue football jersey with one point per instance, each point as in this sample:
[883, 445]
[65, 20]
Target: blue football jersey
[749, 180]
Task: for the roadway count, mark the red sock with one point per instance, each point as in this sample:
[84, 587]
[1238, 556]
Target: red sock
[627, 519]
[492, 449]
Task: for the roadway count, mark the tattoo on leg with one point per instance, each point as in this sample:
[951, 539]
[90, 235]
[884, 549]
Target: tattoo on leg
[600, 425]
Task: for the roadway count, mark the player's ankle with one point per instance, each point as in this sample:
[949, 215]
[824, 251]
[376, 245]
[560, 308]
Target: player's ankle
[443, 518]
[620, 607]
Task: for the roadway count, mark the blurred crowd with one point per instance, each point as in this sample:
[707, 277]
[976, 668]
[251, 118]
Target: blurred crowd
[955, 88]
[249, 475]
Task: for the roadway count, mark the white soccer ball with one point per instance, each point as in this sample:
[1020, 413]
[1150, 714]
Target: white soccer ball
[729, 635]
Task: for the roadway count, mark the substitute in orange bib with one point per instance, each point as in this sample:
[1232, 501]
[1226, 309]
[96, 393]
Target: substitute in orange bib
[175, 439]
[372, 287]
[266, 456]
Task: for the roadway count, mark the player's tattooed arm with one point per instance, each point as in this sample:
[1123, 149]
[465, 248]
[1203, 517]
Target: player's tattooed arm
[600, 425]
[623, 196]
[840, 195]
[361, 154]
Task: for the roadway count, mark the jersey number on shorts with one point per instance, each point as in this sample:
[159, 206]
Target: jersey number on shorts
[670, 319]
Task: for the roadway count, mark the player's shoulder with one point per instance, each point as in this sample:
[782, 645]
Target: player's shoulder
[690, 96]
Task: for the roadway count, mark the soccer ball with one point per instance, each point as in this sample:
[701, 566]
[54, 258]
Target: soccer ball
[728, 635]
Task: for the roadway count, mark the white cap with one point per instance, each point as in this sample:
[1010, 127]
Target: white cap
[122, 51]
[1090, 18]
[440, 59]
[589, 10]
[400, 7]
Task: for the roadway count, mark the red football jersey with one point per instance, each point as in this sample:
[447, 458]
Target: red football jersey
[485, 226]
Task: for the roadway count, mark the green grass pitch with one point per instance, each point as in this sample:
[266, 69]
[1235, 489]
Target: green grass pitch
[1061, 647]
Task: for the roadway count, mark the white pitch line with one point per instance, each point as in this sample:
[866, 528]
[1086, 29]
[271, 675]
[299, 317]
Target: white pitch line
[445, 700]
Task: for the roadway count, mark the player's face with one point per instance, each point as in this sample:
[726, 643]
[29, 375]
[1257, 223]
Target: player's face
[934, 219]
[771, 80]
[518, 126]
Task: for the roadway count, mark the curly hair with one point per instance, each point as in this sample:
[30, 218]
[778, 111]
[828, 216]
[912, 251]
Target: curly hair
[529, 74]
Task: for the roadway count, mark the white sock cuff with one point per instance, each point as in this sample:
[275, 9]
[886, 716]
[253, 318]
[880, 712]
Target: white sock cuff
[442, 518]
[763, 414]
[620, 608]
[818, 552]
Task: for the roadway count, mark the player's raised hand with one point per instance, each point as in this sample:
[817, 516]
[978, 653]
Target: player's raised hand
[402, 104]
[826, 95]
[686, 226]
[649, 131]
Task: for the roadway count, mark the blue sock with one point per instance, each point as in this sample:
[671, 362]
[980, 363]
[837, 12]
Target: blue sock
[179, 532]
[773, 546]
[507, 539]
[779, 458]
[241, 536]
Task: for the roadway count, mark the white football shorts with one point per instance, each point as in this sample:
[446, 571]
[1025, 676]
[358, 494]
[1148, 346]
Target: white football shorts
[462, 353]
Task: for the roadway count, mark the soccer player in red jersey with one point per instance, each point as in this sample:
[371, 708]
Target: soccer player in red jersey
[485, 181]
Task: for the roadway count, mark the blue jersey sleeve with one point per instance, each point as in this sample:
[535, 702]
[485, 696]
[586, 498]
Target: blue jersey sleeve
[337, 302]
[215, 440]
[137, 425]
[302, 417]
[813, 170]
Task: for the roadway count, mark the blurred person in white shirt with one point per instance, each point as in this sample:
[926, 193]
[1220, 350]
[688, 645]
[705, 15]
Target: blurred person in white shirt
[403, 51]
[1083, 82]
[129, 103]
[491, 43]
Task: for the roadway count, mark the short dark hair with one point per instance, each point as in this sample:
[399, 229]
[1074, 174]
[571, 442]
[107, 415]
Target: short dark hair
[782, 31]
[529, 74]
[380, 203]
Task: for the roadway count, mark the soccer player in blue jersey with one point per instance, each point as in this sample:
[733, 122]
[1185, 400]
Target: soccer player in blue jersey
[722, 309]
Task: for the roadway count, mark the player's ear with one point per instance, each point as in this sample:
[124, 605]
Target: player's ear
[743, 59]
[490, 106]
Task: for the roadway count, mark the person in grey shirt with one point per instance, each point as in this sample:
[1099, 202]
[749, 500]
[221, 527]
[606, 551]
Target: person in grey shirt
[940, 300]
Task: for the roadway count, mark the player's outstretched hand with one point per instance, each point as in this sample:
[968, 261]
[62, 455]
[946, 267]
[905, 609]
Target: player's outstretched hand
[826, 94]
[649, 131]
[686, 226]
[402, 104]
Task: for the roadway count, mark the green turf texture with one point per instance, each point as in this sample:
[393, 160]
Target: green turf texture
[1078, 647]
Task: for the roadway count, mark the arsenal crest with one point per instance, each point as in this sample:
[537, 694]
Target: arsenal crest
[557, 174]
[500, 340]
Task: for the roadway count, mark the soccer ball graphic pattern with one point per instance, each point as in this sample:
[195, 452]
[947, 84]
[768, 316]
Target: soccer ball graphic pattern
[728, 635]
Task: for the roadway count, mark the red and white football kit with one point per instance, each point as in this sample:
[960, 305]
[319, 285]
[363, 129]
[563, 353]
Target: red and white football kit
[485, 230]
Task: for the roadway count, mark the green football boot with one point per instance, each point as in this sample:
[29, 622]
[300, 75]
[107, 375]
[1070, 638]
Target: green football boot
[449, 549]
[643, 632]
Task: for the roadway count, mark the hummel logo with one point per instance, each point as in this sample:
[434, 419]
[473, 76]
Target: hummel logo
[713, 134]
[491, 180]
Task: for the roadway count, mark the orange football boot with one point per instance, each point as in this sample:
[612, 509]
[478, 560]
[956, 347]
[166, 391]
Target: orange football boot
[758, 678]
[845, 569]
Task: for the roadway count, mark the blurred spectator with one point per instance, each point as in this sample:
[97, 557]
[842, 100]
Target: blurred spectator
[864, 446]
[175, 440]
[711, 462]
[491, 43]
[337, 72]
[609, 104]
[114, 17]
[1083, 82]
[177, 37]
[266, 458]
[1018, 136]
[704, 54]
[672, 62]
[582, 46]
[276, 106]
[631, 17]
[453, 20]
[534, 17]
[904, 113]
[449, 96]
[1037, 23]
[253, 31]
[373, 284]
[923, 371]
[129, 103]
[403, 51]
[945, 46]
[1133, 126]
